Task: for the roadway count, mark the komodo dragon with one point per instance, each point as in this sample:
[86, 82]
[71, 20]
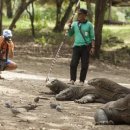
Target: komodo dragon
[80, 95]
[109, 89]
[98, 93]
[72, 92]
[114, 112]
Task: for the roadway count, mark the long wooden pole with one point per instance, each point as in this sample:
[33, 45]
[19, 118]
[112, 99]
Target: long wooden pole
[57, 54]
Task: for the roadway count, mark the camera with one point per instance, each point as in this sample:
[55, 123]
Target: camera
[8, 39]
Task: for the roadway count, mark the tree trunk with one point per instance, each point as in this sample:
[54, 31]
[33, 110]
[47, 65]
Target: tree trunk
[58, 14]
[23, 5]
[64, 19]
[9, 8]
[31, 16]
[109, 14]
[99, 19]
[89, 8]
[66, 16]
[1, 7]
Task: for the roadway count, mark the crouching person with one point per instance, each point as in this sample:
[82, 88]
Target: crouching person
[6, 52]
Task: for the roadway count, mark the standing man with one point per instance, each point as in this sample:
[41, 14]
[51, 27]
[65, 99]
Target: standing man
[6, 51]
[84, 44]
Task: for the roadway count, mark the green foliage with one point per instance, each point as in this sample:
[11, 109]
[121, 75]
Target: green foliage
[44, 17]
[115, 36]
[118, 14]
[6, 21]
[106, 34]
[47, 37]
[41, 40]
[46, 13]
[113, 14]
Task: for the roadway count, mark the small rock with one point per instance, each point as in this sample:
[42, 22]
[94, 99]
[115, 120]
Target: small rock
[36, 99]
[53, 105]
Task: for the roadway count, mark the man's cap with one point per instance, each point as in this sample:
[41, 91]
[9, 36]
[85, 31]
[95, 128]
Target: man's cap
[7, 33]
[83, 11]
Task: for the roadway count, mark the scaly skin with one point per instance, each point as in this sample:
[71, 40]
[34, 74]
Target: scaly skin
[117, 112]
[110, 89]
[56, 86]
[79, 95]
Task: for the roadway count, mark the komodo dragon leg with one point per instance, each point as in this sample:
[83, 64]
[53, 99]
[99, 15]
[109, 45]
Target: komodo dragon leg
[101, 118]
[90, 98]
[86, 99]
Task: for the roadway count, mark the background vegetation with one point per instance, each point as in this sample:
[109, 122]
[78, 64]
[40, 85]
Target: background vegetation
[114, 37]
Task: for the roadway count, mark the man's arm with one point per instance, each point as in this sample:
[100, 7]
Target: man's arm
[92, 36]
[92, 51]
[93, 43]
[70, 28]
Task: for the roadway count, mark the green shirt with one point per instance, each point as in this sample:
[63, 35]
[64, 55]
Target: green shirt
[87, 30]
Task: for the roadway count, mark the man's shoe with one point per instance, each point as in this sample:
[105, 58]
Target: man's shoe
[81, 83]
[71, 82]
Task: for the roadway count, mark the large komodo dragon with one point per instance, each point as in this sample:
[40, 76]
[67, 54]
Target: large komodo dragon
[83, 94]
[110, 90]
[114, 112]
[69, 92]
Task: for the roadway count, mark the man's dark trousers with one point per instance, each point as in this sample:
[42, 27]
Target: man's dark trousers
[80, 52]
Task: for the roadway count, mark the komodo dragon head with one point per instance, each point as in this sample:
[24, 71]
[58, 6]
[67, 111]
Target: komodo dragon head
[56, 86]
[53, 86]
[97, 81]
[52, 83]
[108, 84]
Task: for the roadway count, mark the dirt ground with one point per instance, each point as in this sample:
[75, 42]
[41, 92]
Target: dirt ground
[21, 86]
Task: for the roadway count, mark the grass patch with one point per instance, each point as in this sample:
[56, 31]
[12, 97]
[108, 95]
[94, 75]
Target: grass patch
[121, 31]
[121, 35]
